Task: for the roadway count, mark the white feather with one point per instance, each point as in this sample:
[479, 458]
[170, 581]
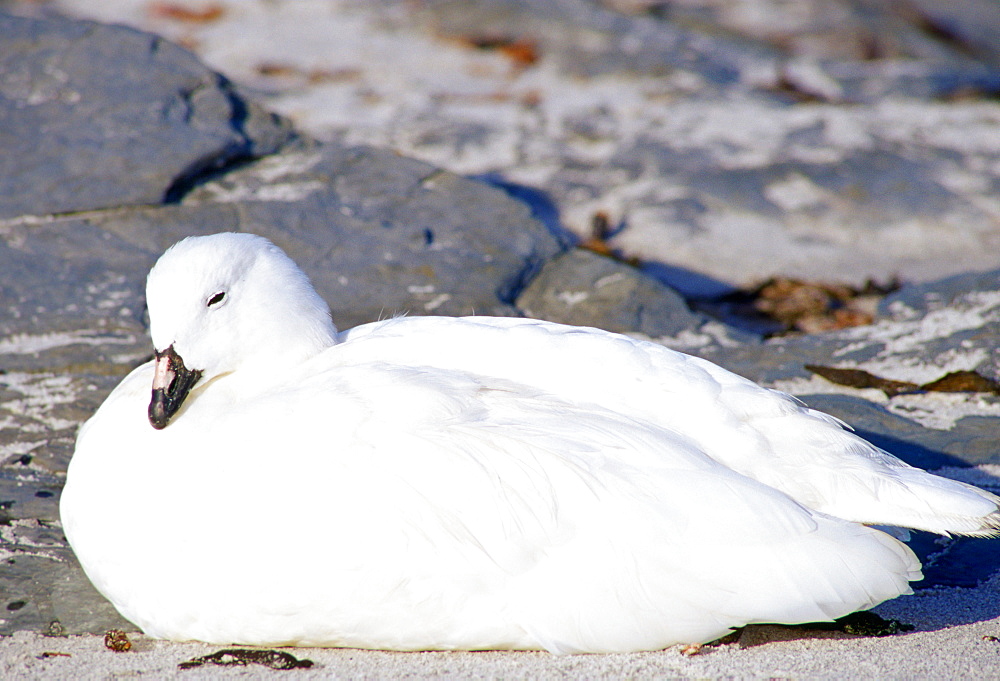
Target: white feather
[436, 483]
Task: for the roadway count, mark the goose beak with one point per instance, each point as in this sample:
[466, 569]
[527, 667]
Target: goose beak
[172, 381]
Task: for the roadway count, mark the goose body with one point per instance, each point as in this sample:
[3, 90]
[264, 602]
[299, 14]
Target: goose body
[467, 483]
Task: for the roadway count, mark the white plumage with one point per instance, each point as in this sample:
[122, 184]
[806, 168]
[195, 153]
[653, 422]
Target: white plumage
[441, 483]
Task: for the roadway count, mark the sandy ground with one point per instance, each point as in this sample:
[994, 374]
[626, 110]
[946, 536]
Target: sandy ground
[957, 634]
[966, 650]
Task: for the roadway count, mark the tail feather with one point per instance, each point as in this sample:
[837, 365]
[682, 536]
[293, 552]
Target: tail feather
[812, 458]
[950, 507]
[915, 499]
[989, 526]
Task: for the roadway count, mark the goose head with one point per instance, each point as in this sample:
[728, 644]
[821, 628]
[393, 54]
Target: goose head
[223, 304]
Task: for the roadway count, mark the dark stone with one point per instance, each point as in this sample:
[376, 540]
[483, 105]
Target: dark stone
[58, 597]
[378, 234]
[929, 321]
[94, 116]
[973, 26]
[428, 242]
[586, 289]
[919, 299]
[971, 441]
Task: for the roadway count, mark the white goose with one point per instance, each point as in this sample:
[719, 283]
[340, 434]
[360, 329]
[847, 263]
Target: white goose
[440, 483]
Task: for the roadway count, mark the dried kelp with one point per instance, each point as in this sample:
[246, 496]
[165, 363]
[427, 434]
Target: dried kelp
[241, 657]
[954, 382]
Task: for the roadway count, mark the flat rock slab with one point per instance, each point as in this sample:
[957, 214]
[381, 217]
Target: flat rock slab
[378, 234]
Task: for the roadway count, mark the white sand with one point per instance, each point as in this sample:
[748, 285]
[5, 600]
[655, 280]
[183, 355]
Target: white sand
[954, 641]
[954, 637]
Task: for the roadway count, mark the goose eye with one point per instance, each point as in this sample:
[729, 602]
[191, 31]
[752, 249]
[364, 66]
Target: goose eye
[216, 299]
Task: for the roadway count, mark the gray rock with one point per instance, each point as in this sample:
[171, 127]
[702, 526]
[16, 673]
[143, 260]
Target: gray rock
[834, 50]
[842, 30]
[794, 200]
[916, 300]
[382, 235]
[427, 242]
[95, 116]
[935, 328]
[45, 589]
[693, 135]
[586, 289]
[860, 81]
[41, 583]
[588, 40]
[972, 440]
[71, 296]
[974, 25]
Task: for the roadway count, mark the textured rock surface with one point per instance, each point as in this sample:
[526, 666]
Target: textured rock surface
[585, 289]
[842, 140]
[929, 330]
[382, 235]
[95, 116]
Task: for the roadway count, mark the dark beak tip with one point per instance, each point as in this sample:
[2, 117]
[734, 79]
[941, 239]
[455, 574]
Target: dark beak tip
[166, 401]
[158, 414]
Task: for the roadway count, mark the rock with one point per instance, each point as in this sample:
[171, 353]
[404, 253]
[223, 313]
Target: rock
[382, 235]
[72, 298]
[808, 150]
[827, 193]
[852, 82]
[94, 116]
[48, 592]
[973, 25]
[589, 41]
[428, 242]
[739, 144]
[970, 441]
[934, 329]
[917, 300]
[713, 167]
[877, 30]
[586, 289]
